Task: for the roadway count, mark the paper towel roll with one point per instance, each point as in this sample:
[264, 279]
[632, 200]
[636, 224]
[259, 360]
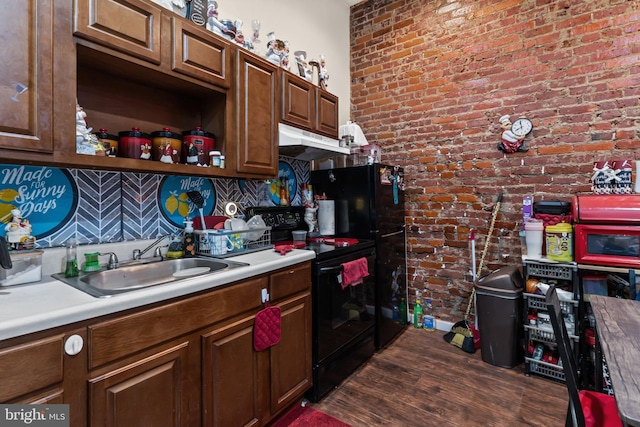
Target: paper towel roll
[327, 217]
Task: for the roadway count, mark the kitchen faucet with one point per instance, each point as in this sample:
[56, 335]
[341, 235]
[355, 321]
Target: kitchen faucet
[137, 253]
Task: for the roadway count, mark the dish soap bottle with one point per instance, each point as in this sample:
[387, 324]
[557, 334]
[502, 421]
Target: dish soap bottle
[71, 269]
[188, 240]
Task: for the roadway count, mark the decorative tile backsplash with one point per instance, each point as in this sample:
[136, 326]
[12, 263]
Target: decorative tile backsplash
[100, 206]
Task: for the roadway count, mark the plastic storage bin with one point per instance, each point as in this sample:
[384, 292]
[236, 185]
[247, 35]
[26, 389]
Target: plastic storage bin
[27, 268]
[499, 307]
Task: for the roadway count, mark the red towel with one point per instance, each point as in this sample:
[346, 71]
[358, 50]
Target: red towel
[354, 271]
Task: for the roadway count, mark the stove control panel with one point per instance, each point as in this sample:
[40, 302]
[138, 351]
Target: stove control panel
[280, 218]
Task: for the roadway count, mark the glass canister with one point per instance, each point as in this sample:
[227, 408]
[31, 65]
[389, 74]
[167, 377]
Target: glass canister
[559, 242]
[134, 144]
[167, 146]
[196, 145]
[110, 142]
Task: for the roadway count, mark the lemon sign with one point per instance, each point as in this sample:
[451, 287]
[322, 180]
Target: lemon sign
[174, 202]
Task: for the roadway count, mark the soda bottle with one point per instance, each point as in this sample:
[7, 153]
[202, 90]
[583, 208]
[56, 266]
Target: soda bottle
[417, 314]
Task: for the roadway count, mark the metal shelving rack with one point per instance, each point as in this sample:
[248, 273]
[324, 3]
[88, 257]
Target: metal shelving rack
[565, 276]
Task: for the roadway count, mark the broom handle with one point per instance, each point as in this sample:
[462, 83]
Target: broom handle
[494, 215]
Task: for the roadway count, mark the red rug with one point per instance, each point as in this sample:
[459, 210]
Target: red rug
[301, 416]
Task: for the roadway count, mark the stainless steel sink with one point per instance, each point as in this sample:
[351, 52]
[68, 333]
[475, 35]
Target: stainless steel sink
[105, 283]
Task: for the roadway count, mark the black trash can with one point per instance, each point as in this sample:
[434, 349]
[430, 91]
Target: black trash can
[499, 307]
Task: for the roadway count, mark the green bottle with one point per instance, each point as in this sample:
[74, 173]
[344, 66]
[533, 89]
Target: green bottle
[417, 314]
[403, 311]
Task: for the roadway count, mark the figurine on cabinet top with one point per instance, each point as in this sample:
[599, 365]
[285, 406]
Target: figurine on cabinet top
[86, 142]
[323, 74]
[277, 51]
[303, 67]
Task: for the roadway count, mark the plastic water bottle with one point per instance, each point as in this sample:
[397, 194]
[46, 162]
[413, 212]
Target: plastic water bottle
[417, 314]
[428, 319]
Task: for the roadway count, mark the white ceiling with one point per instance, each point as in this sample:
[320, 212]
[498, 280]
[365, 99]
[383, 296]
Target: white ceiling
[352, 2]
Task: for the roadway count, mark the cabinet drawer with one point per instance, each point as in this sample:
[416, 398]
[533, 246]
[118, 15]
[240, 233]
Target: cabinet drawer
[128, 26]
[114, 339]
[197, 53]
[290, 281]
[32, 366]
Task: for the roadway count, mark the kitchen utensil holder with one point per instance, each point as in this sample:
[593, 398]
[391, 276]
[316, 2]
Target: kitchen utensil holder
[204, 241]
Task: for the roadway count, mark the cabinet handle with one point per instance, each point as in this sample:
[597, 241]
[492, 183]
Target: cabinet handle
[73, 345]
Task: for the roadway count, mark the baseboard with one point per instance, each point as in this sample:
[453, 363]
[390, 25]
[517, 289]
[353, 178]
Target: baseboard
[443, 325]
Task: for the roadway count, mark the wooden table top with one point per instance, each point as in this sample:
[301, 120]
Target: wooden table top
[618, 324]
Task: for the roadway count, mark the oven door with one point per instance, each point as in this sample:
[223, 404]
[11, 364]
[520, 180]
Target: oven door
[609, 245]
[340, 315]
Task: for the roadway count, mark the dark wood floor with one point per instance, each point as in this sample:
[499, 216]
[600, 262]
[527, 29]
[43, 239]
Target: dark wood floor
[420, 380]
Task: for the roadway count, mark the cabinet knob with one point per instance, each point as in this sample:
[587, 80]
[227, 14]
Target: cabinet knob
[73, 345]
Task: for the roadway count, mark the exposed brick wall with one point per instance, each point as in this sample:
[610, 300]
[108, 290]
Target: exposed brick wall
[430, 79]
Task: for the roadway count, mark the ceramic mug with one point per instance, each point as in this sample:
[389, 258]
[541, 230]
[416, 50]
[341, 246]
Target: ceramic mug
[235, 242]
[219, 244]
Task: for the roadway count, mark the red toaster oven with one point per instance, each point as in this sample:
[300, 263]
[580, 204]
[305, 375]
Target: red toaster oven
[607, 230]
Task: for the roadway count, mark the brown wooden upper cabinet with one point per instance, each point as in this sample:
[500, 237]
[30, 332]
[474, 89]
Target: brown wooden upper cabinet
[196, 54]
[128, 26]
[130, 63]
[306, 106]
[26, 75]
[256, 103]
[326, 113]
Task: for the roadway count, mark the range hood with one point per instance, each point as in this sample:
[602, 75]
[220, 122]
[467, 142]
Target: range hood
[304, 145]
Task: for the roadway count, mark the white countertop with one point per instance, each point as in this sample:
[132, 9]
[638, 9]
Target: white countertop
[50, 303]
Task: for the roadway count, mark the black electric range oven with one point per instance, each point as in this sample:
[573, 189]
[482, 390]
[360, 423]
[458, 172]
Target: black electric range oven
[343, 319]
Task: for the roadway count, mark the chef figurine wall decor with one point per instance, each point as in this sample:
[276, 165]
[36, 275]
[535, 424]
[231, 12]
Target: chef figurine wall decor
[513, 134]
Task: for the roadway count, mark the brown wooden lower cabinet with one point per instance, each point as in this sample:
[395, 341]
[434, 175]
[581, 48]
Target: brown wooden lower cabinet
[148, 392]
[290, 373]
[205, 371]
[232, 373]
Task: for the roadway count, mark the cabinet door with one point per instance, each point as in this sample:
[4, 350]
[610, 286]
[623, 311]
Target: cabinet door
[149, 392]
[291, 357]
[233, 376]
[32, 366]
[327, 113]
[298, 101]
[195, 52]
[128, 26]
[26, 75]
[257, 104]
